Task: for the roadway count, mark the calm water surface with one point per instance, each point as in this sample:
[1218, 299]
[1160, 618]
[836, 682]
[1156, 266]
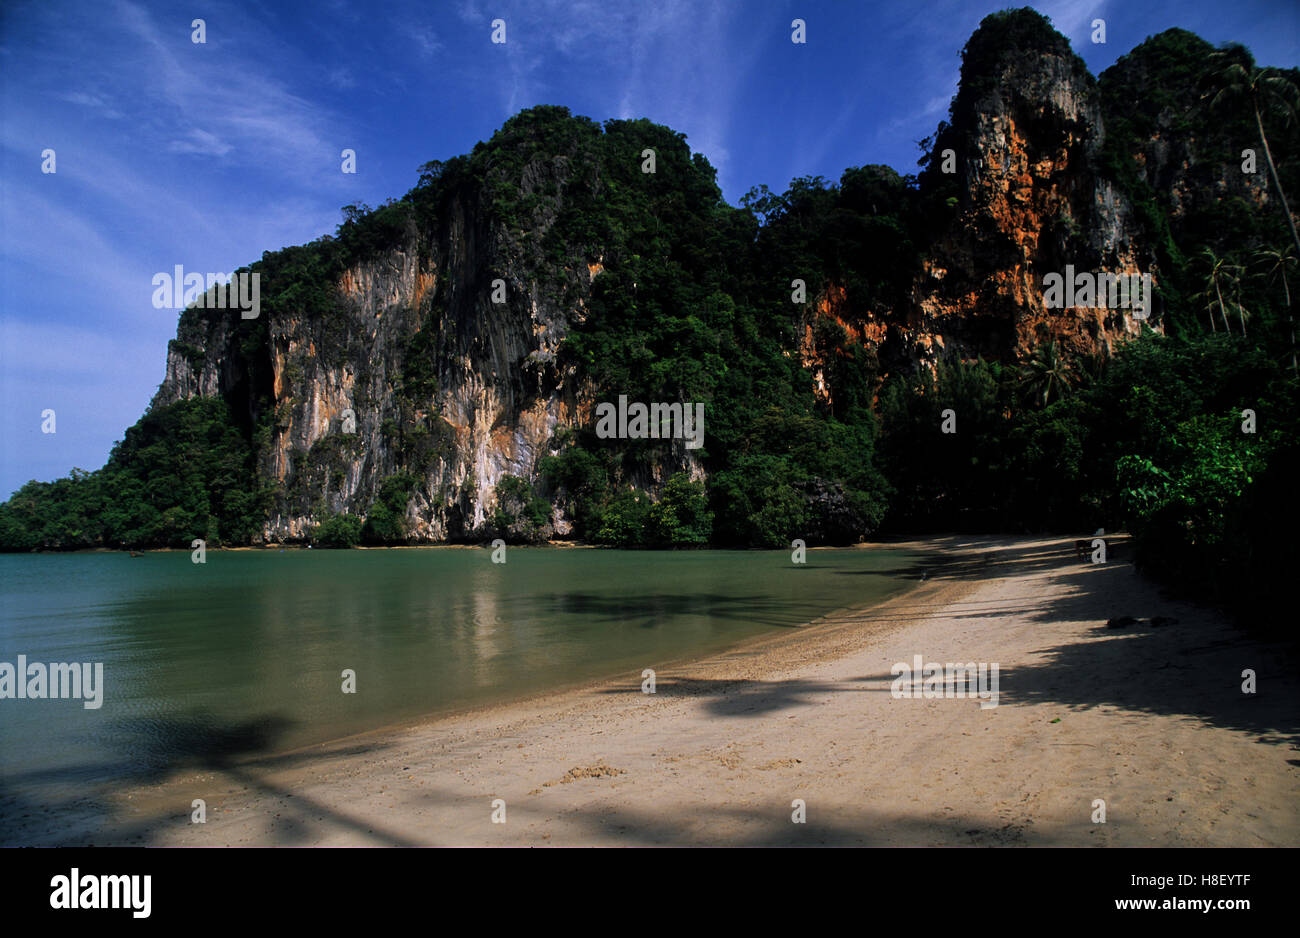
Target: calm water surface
[243, 654]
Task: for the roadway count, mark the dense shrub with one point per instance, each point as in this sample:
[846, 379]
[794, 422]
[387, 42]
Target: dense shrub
[338, 531]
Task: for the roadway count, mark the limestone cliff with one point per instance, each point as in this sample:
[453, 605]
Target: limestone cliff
[344, 414]
[432, 365]
[1021, 157]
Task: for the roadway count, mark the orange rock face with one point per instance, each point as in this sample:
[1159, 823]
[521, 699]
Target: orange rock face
[1032, 200]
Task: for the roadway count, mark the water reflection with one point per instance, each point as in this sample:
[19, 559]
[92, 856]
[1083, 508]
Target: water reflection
[249, 649]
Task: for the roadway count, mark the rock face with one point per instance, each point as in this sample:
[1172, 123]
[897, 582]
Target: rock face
[343, 422]
[480, 302]
[1032, 200]
[1030, 195]
[1188, 170]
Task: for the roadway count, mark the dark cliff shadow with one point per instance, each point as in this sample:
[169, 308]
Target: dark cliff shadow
[1190, 665]
[962, 558]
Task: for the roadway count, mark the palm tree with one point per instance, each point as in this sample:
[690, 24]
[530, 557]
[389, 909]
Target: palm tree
[1231, 275]
[1276, 262]
[1266, 90]
[1217, 279]
[1209, 308]
[1046, 376]
[1241, 310]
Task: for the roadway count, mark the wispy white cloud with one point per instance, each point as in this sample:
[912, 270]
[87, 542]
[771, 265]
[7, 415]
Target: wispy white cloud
[199, 88]
[200, 142]
[414, 26]
[94, 102]
[46, 236]
[226, 158]
[665, 60]
[84, 209]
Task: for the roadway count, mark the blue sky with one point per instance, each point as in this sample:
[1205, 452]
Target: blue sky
[169, 152]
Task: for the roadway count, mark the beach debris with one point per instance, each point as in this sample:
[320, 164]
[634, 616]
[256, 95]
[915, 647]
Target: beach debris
[1120, 622]
[600, 770]
[1057, 720]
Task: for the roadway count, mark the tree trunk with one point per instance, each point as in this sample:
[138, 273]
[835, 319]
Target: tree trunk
[1222, 311]
[1286, 212]
[1290, 319]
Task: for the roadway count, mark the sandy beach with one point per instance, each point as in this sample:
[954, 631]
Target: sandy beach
[1150, 719]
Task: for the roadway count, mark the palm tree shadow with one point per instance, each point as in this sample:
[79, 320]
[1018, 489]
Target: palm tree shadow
[76, 805]
[739, 697]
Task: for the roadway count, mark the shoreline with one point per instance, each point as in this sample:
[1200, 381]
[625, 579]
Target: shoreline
[443, 545]
[751, 644]
[1149, 720]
